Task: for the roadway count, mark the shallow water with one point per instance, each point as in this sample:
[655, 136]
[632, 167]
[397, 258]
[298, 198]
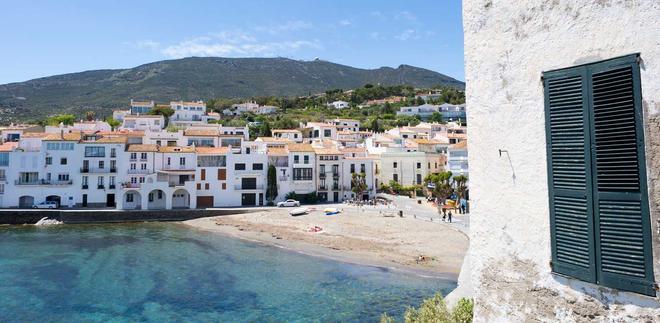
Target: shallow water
[162, 272]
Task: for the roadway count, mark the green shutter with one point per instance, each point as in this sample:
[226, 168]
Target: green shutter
[623, 232]
[569, 178]
[599, 211]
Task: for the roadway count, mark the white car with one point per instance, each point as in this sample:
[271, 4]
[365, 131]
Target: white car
[290, 203]
[45, 205]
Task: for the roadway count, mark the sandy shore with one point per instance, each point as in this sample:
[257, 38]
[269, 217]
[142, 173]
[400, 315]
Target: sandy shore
[364, 237]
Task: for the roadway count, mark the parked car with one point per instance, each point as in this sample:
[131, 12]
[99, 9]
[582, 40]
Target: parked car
[46, 205]
[289, 203]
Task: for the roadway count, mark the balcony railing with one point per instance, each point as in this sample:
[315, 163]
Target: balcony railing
[139, 171]
[111, 186]
[335, 187]
[43, 182]
[322, 175]
[130, 185]
[3, 178]
[251, 187]
[85, 186]
[97, 170]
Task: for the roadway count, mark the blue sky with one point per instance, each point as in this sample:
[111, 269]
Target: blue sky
[43, 38]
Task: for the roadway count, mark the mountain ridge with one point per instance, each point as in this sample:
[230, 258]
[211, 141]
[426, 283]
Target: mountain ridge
[196, 78]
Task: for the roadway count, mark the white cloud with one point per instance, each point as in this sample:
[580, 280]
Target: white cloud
[144, 44]
[406, 15]
[236, 44]
[344, 22]
[407, 34]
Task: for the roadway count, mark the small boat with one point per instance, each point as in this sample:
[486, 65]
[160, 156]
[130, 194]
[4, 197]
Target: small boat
[331, 211]
[47, 221]
[299, 211]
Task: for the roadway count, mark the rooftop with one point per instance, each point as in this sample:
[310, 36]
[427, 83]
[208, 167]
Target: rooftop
[212, 150]
[301, 148]
[142, 148]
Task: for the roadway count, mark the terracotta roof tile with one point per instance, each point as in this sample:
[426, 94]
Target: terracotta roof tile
[176, 149]
[212, 150]
[8, 146]
[201, 132]
[301, 148]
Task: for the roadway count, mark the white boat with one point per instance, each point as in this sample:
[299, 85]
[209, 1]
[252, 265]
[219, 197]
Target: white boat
[299, 211]
[47, 221]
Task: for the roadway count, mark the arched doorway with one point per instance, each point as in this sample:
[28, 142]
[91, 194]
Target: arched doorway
[132, 200]
[156, 200]
[180, 199]
[26, 201]
[54, 198]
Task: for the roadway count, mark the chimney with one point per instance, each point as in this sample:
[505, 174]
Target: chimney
[61, 133]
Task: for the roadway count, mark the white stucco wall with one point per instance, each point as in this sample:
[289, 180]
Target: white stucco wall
[508, 44]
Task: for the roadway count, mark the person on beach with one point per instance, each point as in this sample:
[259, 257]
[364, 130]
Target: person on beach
[462, 206]
[449, 216]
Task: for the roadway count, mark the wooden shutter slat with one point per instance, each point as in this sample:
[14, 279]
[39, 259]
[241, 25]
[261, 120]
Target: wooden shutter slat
[571, 214]
[622, 246]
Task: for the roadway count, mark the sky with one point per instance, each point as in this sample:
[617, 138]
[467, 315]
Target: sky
[43, 38]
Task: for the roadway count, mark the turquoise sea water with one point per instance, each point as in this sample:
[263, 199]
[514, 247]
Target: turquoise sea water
[162, 272]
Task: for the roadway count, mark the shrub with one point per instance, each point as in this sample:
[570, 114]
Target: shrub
[435, 309]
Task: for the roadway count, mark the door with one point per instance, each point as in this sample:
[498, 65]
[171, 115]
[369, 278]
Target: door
[25, 201]
[110, 200]
[249, 183]
[261, 199]
[84, 200]
[204, 201]
[336, 196]
[248, 199]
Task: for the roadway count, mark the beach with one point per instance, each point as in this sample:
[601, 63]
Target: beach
[368, 235]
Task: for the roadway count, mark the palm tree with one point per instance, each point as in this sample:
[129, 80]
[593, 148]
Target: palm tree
[358, 184]
[460, 186]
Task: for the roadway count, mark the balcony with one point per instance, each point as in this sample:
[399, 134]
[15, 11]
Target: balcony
[43, 182]
[335, 187]
[335, 175]
[139, 171]
[322, 175]
[239, 187]
[323, 188]
[86, 170]
[130, 185]
[111, 186]
[3, 179]
[85, 186]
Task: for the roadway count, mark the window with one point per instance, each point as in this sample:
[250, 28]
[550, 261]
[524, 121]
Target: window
[85, 180]
[296, 159]
[112, 181]
[239, 166]
[395, 177]
[100, 181]
[199, 186]
[182, 161]
[101, 164]
[352, 168]
[394, 165]
[222, 174]
[224, 186]
[599, 209]
[327, 133]
[419, 179]
[419, 165]
[363, 168]
[129, 197]
[306, 159]
[202, 175]
[169, 161]
[302, 174]
[206, 186]
[63, 177]
[211, 161]
[113, 152]
[95, 151]
[49, 160]
[63, 161]
[133, 156]
[257, 166]
[143, 156]
[335, 170]
[59, 146]
[133, 166]
[141, 179]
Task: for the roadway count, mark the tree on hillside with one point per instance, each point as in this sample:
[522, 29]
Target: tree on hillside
[65, 119]
[271, 189]
[164, 111]
[114, 123]
[359, 184]
[375, 125]
[264, 129]
[436, 117]
[89, 115]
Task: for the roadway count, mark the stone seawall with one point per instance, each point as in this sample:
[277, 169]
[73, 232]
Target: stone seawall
[27, 216]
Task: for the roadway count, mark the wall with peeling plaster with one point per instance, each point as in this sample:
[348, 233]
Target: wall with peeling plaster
[507, 46]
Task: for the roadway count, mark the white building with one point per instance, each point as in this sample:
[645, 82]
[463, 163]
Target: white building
[345, 124]
[424, 111]
[143, 122]
[564, 160]
[291, 134]
[339, 104]
[457, 159]
[185, 112]
[141, 107]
